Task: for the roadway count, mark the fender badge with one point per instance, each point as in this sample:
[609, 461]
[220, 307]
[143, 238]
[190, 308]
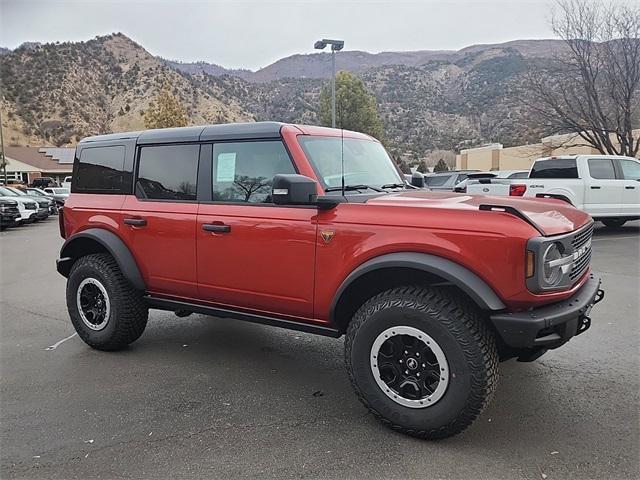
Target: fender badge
[327, 235]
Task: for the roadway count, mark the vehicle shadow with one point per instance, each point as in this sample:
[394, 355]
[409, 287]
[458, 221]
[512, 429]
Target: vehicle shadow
[630, 228]
[289, 371]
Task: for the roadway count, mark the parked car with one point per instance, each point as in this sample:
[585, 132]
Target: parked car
[27, 208]
[39, 193]
[9, 213]
[314, 229]
[490, 183]
[605, 186]
[445, 181]
[42, 182]
[43, 205]
[66, 183]
[59, 194]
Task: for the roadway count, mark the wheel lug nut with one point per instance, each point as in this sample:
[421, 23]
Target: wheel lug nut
[406, 353]
[418, 374]
[400, 361]
[423, 365]
[417, 354]
[406, 372]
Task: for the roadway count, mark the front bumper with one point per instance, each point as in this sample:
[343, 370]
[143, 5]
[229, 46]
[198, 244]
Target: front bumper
[42, 213]
[9, 219]
[552, 325]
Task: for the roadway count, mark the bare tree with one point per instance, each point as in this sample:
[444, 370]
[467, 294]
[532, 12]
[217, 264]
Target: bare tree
[592, 89]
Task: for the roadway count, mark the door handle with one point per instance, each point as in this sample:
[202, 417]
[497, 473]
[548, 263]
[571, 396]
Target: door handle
[216, 227]
[135, 222]
[595, 187]
[629, 187]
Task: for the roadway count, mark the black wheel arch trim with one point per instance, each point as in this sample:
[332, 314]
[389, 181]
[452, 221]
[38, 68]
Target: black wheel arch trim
[470, 283]
[113, 244]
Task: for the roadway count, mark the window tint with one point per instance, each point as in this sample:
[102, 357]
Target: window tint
[555, 168]
[243, 172]
[168, 172]
[601, 168]
[519, 175]
[630, 169]
[436, 181]
[101, 169]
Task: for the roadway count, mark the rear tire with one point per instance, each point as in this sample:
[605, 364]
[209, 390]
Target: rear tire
[106, 311]
[461, 349]
[614, 222]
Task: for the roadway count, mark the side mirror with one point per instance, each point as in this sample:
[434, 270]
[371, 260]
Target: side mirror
[294, 189]
[417, 179]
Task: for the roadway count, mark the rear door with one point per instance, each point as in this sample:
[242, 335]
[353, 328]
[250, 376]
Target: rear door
[252, 254]
[630, 173]
[603, 190]
[159, 220]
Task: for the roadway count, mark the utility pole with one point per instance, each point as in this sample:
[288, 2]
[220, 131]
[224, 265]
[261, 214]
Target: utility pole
[336, 46]
[4, 158]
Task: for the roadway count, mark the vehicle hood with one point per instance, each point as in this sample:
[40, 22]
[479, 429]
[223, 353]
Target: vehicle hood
[552, 216]
[18, 199]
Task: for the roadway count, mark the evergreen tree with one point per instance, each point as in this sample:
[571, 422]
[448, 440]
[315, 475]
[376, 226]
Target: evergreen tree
[355, 106]
[441, 166]
[165, 111]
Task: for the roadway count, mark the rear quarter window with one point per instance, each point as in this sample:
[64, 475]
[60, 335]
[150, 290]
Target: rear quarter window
[555, 168]
[101, 170]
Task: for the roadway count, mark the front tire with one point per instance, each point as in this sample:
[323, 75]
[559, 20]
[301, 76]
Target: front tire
[422, 360]
[106, 311]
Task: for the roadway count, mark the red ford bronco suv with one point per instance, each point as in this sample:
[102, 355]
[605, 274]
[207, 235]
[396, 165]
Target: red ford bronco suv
[315, 229]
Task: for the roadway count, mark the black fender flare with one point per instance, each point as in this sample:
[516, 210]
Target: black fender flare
[470, 283]
[112, 243]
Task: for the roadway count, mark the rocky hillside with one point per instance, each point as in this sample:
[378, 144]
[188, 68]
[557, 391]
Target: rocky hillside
[57, 93]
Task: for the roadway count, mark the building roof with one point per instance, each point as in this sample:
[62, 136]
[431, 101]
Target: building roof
[44, 159]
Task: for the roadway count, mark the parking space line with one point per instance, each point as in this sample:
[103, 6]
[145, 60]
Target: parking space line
[57, 344]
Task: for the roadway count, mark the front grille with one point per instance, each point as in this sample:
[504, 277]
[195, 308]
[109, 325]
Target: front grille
[31, 206]
[44, 204]
[581, 244]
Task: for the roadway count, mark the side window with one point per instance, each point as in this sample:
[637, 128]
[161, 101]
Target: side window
[244, 171]
[630, 169]
[437, 180]
[519, 175]
[101, 169]
[168, 172]
[601, 168]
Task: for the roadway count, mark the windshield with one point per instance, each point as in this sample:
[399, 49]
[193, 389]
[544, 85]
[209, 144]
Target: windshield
[5, 191]
[436, 180]
[16, 191]
[60, 191]
[366, 163]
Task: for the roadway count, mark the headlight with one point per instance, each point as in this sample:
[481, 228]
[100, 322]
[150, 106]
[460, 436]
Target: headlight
[553, 262]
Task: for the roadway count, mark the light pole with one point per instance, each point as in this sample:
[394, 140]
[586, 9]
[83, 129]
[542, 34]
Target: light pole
[336, 46]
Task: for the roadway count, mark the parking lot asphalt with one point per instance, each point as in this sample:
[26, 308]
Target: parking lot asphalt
[203, 397]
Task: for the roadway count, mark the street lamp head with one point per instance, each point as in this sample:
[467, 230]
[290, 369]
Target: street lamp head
[336, 45]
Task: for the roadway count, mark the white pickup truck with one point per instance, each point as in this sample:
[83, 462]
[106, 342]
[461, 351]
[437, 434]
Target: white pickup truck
[605, 186]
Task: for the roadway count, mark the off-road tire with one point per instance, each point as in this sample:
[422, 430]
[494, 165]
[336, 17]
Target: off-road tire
[456, 324]
[128, 310]
[614, 222]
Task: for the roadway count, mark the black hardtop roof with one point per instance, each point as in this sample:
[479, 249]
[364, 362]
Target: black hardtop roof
[228, 131]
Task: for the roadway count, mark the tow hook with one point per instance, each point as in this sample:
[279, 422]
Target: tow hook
[599, 296]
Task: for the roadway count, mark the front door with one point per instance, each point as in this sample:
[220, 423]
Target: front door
[253, 254]
[160, 219]
[603, 191]
[630, 172]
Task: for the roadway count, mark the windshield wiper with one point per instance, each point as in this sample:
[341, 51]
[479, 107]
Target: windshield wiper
[394, 185]
[348, 188]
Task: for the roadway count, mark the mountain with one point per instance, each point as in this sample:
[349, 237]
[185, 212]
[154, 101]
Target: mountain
[58, 93]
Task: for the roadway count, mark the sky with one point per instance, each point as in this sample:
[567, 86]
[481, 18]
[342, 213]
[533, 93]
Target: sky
[254, 34]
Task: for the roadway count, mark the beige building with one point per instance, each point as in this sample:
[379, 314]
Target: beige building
[496, 157]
